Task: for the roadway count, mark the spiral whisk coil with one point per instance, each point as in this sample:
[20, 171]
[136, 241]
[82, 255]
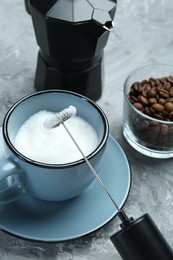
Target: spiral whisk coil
[56, 119]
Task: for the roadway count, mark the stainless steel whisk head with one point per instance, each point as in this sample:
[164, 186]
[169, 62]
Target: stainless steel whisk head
[55, 120]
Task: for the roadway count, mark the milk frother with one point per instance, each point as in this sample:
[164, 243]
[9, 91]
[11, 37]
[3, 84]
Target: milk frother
[71, 35]
[138, 239]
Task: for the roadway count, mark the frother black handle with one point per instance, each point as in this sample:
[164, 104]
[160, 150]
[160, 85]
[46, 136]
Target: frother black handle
[142, 240]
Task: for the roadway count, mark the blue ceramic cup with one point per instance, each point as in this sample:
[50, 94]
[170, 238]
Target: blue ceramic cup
[50, 182]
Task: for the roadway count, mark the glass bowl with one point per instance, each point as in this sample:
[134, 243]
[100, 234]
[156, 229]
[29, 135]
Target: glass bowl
[148, 110]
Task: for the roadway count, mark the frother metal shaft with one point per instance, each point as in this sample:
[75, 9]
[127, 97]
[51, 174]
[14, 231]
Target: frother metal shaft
[120, 213]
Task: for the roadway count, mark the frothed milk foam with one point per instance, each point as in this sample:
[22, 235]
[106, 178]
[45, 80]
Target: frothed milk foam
[55, 146]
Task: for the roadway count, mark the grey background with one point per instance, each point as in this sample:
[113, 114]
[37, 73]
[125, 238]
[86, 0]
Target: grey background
[142, 35]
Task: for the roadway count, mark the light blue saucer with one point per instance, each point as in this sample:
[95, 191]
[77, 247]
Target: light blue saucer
[61, 221]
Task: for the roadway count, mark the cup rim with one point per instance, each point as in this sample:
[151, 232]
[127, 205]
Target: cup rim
[129, 103]
[48, 165]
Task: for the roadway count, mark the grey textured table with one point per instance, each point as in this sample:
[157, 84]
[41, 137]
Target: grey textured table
[142, 35]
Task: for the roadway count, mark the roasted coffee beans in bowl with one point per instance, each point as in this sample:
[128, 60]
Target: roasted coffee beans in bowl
[148, 110]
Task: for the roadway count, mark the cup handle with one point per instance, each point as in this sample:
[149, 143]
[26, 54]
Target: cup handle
[11, 182]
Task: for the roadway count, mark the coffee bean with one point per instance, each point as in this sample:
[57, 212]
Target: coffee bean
[154, 123]
[143, 100]
[136, 87]
[164, 129]
[159, 87]
[164, 114]
[162, 101]
[144, 125]
[170, 115]
[163, 93]
[169, 106]
[152, 101]
[138, 105]
[163, 80]
[171, 92]
[152, 81]
[132, 98]
[151, 93]
[144, 93]
[152, 111]
[170, 99]
[157, 81]
[170, 79]
[167, 86]
[146, 111]
[145, 81]
[158, 116]
[158, 107]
